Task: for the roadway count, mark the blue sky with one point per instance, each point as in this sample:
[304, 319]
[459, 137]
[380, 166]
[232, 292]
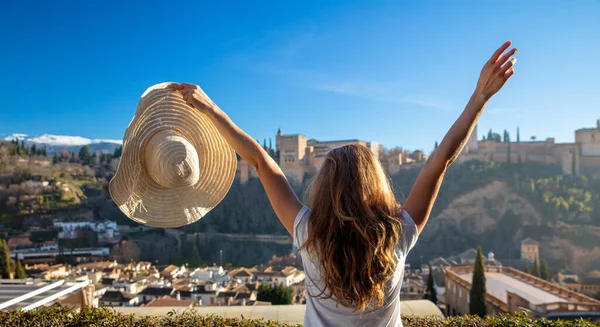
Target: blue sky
[395, 72]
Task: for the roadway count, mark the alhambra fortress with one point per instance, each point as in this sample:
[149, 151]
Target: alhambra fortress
[298, 156]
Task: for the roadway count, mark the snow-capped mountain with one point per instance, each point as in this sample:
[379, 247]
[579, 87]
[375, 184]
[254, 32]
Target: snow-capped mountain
[58, 143]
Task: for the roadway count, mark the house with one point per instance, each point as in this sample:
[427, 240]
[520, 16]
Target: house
[172, 271]
[441, 262]
[201, 275]
[241, 275]
[182, 284]
[186, 295]
[96, 266]
[45, 271]
[19, 242]
[106, 230]
[127, 286]
[150, 293]
[588, 285]
[298, 277]
[227, 297]
[205, 294]
[167, 301]
[273, 276]
[116, 298]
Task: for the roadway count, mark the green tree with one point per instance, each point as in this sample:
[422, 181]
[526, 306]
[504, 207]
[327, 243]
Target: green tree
[118, 151]
[536, 269]
[278, 294]
[527, 270]
[489, 136]
[508, 154]
[55, 159]
[478, 290]
[518, 135]
[573, 165]
[544, 274]
[19, 271]
[430, 293]
[5, 264]
[85, 155]
[435, 146]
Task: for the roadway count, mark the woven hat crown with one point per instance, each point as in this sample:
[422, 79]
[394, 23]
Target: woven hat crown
[171, 160]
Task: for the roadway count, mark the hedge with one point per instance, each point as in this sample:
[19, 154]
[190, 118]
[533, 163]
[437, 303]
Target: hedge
[105, 317]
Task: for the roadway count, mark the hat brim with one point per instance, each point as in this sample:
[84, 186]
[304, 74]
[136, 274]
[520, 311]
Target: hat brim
[148, 203]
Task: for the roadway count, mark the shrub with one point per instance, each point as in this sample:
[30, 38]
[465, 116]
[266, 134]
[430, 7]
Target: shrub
[57, 316]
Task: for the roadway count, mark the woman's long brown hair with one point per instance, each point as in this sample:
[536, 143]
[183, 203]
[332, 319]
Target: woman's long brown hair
[354, 227]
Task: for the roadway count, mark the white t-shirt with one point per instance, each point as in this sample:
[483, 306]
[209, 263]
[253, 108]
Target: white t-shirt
[327, 312]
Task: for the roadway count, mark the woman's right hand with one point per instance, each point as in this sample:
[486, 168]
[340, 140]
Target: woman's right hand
[496, 71]
[195, 97]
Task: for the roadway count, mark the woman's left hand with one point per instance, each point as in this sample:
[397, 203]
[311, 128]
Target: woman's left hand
[194, 96]
[496, 71]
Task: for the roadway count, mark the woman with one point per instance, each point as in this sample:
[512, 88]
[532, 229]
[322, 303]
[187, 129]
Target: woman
[354, 237]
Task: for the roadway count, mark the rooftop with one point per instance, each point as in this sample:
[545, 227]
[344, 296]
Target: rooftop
[529, 241]
[497, 284]
[157, 291]
[167, 301]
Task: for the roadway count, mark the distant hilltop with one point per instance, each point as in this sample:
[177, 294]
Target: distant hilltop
[58, 143]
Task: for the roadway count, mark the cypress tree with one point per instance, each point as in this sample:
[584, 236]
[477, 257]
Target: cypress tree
[527, 270]
[85, 155]
[431, 293]
[478, 290]
[536, 269]
[544, 270]
[5, 268]
[118, 151]
[518, 135]
[19, 271]
[435, 146]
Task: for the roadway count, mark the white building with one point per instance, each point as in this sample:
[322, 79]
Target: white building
[107, 230]
[116, 298]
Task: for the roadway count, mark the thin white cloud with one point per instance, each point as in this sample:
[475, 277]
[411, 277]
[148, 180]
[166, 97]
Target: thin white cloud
[278, 54]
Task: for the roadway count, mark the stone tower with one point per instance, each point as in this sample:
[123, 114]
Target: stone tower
[530, 250]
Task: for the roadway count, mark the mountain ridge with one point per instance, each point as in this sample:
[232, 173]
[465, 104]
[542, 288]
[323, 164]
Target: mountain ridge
[57, 143]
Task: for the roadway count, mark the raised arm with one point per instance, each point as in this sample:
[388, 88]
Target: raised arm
[423, 194]
[280, 193]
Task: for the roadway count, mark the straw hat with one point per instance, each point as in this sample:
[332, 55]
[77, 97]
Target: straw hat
[175, 166]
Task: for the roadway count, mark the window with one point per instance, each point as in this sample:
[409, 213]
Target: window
[459, 292]
[468, 298]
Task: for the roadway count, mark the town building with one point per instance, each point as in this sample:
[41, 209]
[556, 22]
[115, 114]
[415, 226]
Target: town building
[580, 157]
[117, 298]
[106, 230]
[530, 250]
[510, 291]
[167, 301]
[153, 292]
[588, 284]
[298, 156]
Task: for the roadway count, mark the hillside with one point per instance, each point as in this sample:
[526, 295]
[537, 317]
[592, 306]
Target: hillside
[487, 204]
[497, 218]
